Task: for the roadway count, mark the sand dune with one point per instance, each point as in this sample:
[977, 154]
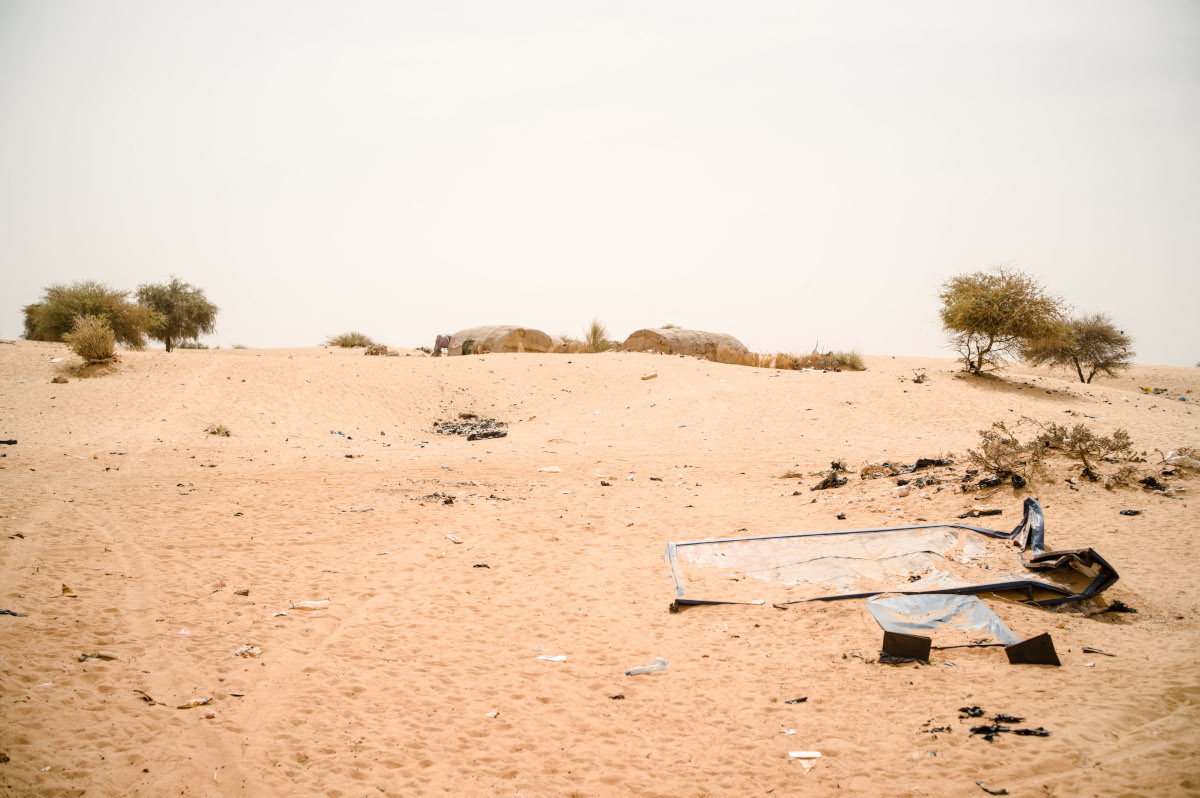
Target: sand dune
[115, 490]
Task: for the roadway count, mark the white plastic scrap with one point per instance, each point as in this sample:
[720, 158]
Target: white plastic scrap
[1176, 459]
[559, 658]
[551, 469]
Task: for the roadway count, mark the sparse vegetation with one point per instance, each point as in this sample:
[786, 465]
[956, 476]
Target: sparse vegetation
[830, 361]
[991, 315]
[53, 318]
[181, 311]
[192, 345]
[1080, 442]
[595, 338]
[218, 429]
[349, 339]
[1002, 453]
[92, 339]
[1089, 343]
[425, 349]
[669, 327]
[850, 361]
[239, 346]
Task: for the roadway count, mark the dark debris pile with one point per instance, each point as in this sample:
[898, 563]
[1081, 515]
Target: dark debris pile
[471, 425]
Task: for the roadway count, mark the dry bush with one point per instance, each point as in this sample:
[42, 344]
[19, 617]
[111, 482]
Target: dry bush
[1080, 442]
[239, 346]
[349, 339]
[573, 346]
[378, 350]
[92, 339]
[190, 345]
[850, 361]
[218, 429]
[1002, 453]
[830, 361]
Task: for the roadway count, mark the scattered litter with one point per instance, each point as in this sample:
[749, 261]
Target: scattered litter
[281, 612]
[990, 731]
[1119, 606]
[98, 655]
[559, 658]
[838, 564]
[245, 591]
[310, 605]
[472, 426]
[800, 700]
[491, 714]
[481, 565]
[976, 512]
[832, 480]
[183, 632]
[992, 790]
[787, 731]
[971, 712]
[195, 702]
[900, 491]
[14, 614]
[1177, 459]
[805, 758]
[1131, 512]
[453, 538]
[68, 592]
[1090, 650]
[248, 651]
[618, 697]
[659, 664]
[652, 376]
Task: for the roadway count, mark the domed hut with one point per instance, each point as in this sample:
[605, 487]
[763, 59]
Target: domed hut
[494, 338]
[674, 341]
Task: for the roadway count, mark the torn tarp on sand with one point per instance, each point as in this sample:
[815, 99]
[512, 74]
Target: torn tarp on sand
[856, 563]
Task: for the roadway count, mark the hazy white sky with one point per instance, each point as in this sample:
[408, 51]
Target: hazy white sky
[787, 172]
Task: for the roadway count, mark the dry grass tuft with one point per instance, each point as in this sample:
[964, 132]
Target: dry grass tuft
[218, 429]
[595, 337]
[92, 339]
[831, 361]
[349, 339]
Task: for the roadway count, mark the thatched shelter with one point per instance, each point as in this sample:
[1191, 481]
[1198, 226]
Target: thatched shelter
[500, 338]
[674, 341]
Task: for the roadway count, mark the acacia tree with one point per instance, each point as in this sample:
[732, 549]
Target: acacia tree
[1090, 343]
[183, 311]
[991, 315]
[62, 303]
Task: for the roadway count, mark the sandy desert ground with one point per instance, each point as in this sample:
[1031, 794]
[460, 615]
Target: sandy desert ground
[115, 490]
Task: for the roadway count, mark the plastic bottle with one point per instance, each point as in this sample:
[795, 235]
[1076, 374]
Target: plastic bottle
[659, 664]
